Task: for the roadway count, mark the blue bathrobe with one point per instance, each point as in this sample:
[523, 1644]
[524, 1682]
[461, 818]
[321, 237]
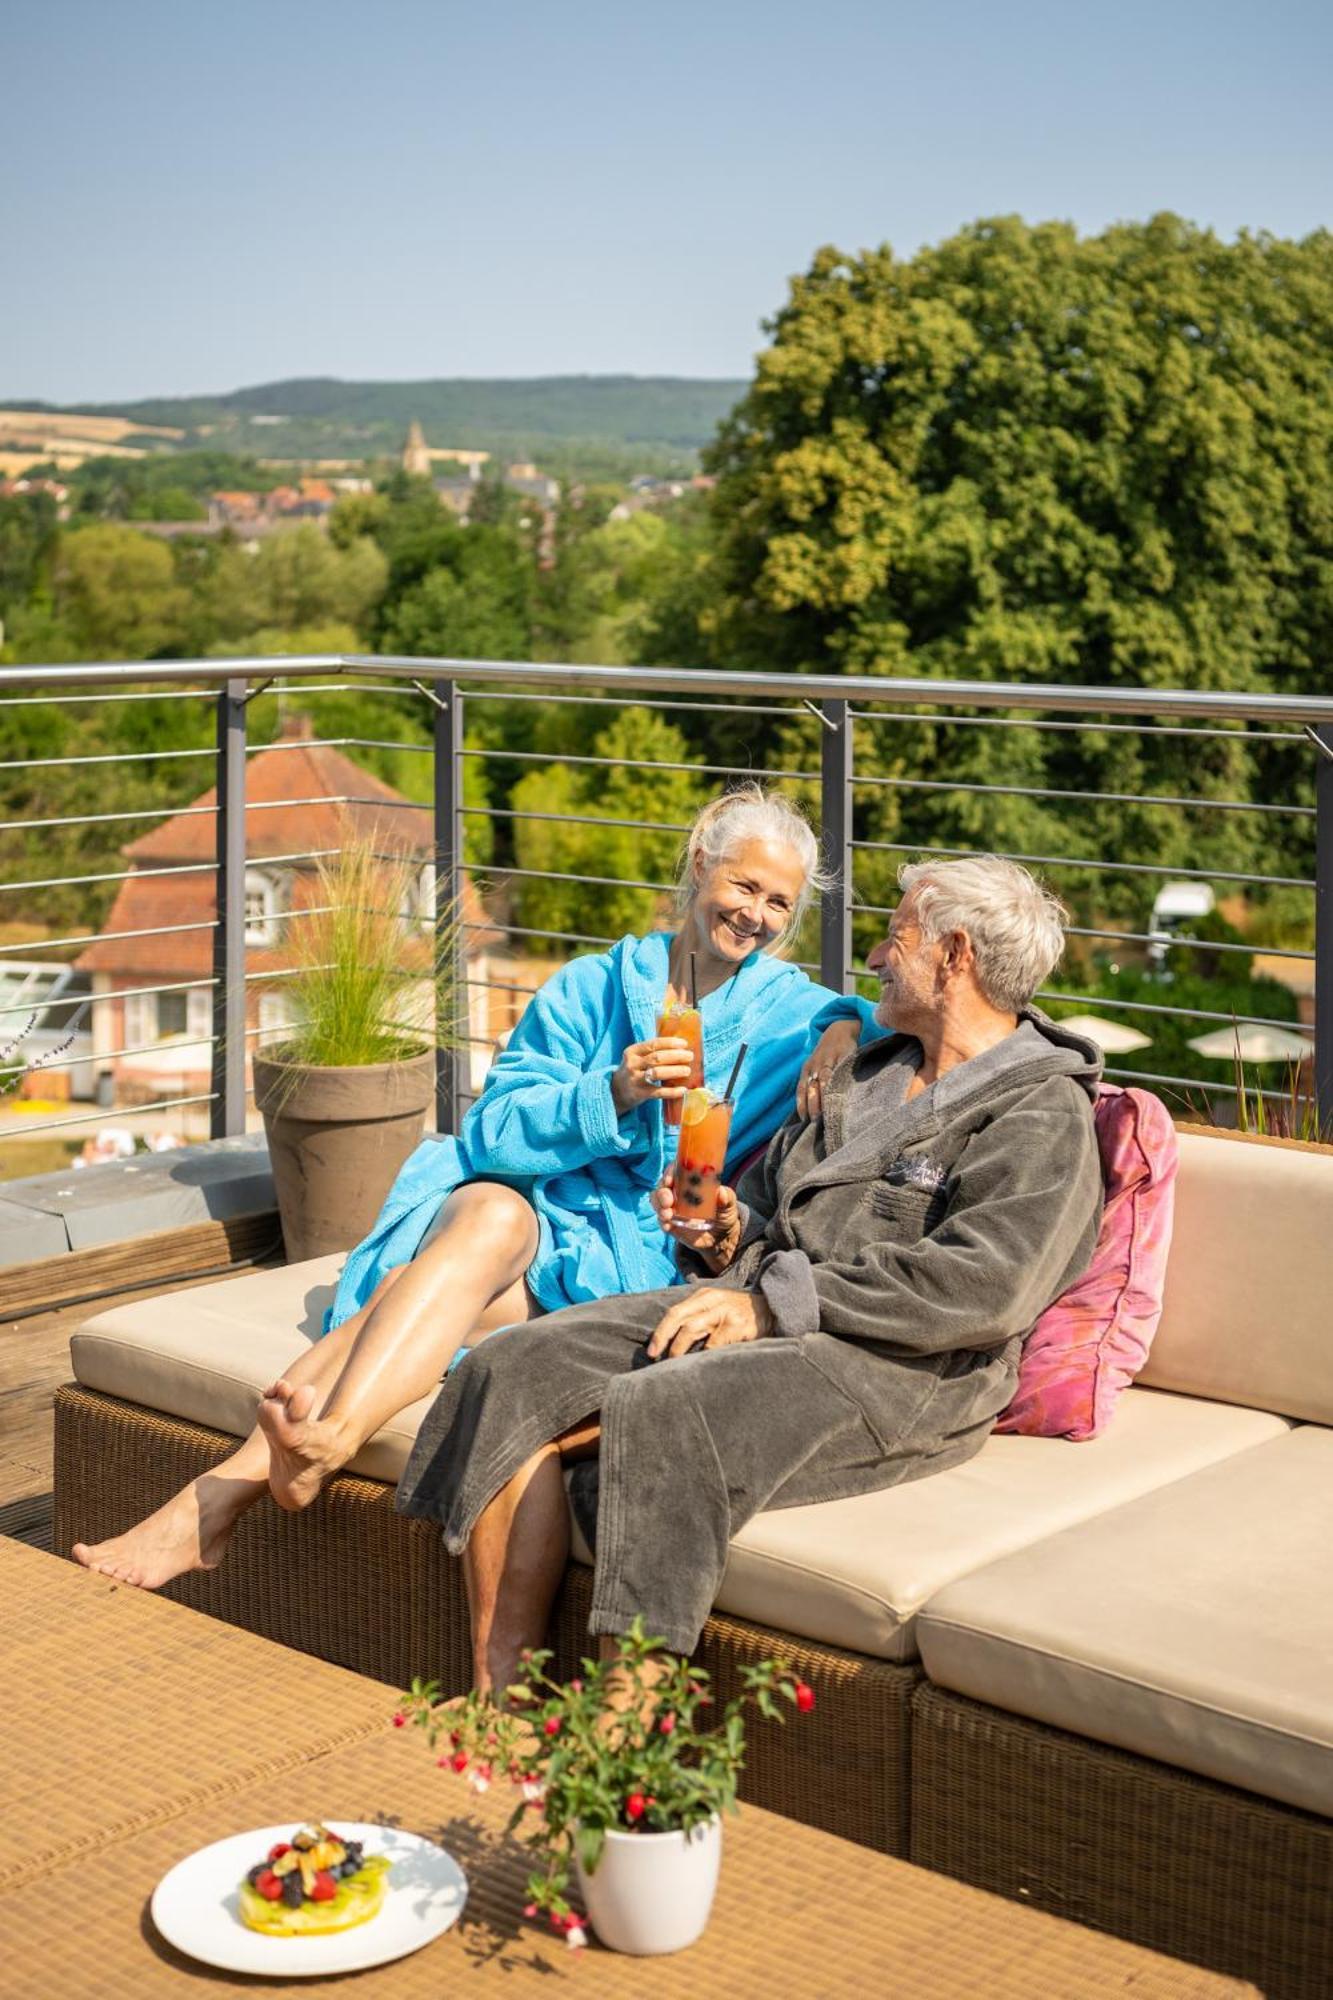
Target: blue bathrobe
[545, 1122]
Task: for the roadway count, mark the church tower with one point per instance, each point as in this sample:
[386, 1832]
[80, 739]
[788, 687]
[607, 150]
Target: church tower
[416, 457]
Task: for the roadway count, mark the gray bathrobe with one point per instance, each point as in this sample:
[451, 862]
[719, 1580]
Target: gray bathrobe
[905, 1249]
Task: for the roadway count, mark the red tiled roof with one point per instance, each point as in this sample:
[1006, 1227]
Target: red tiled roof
[276, 779]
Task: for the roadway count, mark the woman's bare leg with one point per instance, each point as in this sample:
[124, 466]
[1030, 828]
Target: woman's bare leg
[516, 1556]
[192, 1529]
[468, 1280]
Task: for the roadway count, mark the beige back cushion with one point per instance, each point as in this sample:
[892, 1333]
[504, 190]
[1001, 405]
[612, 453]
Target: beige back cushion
[1248, 1316]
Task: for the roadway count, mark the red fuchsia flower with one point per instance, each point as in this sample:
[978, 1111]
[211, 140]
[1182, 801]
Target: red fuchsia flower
[805, 1697]
[399, 1719]
[576, 1937]
[552, 1725]
[667, 1724]
[530, 1910]
[441, 1763]
[458, 1762]
[635, 1806]
[576, 1687]
[480, 1778]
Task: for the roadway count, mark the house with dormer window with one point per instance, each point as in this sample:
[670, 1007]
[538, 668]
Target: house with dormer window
[154, 958]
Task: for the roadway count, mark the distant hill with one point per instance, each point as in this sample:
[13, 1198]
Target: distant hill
[584, 423]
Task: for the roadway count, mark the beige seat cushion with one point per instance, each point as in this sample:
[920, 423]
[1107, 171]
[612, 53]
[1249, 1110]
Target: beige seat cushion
[852, 1573]
[855, 1573]
[1194, 1625]
[207, 1354]
[1249, 1277]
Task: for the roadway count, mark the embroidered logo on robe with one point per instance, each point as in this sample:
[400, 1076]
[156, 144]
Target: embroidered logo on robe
[916, 1172]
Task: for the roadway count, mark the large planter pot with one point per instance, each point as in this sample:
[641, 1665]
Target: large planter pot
[652, 1892]
[336, 1139]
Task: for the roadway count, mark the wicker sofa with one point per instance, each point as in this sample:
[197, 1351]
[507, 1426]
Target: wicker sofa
[1095, 1676]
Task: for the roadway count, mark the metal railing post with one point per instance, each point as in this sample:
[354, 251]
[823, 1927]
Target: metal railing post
[1323, 930]
[835, 814]
[450, 1061]
[227, 1110]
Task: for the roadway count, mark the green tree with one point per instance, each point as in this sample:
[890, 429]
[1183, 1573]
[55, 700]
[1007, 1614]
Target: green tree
[28, 536]
[1027, 456]
[630, 789]
[116, 590]
[474, 601]
[299, 577]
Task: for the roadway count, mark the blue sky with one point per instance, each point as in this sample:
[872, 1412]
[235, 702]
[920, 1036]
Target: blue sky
[198, 199]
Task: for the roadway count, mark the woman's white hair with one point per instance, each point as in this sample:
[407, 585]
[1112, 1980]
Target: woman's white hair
[1017, 927]
[750, 813]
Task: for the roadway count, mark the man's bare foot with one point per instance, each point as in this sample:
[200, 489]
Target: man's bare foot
[303, 1450]
[190, 1532]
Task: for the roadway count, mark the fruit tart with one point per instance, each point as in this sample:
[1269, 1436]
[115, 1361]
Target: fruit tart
[313, 1883]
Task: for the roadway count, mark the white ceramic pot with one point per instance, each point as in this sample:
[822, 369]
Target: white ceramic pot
[652, 1892]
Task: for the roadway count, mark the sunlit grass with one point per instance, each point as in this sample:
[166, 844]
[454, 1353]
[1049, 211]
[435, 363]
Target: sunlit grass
[371, 983]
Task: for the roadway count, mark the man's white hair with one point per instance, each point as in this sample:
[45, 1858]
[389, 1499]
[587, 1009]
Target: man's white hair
[1017, 927]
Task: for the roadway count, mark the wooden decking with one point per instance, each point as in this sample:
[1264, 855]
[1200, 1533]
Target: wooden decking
[34, 1360]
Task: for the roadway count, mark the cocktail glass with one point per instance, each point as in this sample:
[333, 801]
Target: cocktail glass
[687, 1022]
[705, 1129]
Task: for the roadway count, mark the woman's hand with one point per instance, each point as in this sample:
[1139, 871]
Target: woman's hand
[833, 1045]
[716, 1242]
[648, 1070]
[710, 1317]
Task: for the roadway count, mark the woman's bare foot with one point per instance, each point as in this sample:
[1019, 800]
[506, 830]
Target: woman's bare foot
[190, 1532]
[304, 1451]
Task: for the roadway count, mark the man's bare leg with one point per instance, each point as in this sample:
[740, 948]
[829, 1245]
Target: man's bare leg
[192, 1529]
[516, 1556]
[468, 1280]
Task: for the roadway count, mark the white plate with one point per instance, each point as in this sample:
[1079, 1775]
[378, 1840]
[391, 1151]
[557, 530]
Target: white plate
[196, 1906]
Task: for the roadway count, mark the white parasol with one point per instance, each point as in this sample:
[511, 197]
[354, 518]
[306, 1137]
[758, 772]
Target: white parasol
[1113, 1038]
[1249, 1043]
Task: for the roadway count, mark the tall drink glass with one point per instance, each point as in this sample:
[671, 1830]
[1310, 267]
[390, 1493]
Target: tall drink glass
[705, 1129]
[687, 1022]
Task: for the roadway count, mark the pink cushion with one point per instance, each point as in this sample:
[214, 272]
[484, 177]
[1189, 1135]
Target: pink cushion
[1093, 1341]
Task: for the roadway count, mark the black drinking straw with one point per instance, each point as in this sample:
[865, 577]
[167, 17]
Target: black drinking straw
[735, 1072]
[694, 986]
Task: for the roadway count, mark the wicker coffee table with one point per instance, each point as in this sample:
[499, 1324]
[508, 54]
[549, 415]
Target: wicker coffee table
[139, 1731]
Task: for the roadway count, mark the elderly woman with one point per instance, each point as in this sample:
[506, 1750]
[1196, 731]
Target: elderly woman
[871, 1292]
[544, 1199]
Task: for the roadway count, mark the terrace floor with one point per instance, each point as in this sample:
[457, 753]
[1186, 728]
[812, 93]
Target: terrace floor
[34, 1360]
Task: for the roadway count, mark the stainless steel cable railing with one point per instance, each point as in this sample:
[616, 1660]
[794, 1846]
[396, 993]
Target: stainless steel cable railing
[852, 718]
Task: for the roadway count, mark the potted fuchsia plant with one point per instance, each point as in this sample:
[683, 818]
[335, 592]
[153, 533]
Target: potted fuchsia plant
[622, 1778]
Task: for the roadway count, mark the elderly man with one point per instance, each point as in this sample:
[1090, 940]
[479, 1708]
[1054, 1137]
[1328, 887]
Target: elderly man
[875, 1279]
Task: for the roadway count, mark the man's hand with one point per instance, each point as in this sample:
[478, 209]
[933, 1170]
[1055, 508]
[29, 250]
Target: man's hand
[832, 1047]
[717, 1241]
[707, 1316]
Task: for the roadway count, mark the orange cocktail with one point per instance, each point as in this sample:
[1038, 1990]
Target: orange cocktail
[687, 1022]
[705, 1129]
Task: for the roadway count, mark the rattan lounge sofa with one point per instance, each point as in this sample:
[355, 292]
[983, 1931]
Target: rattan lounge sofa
[1095, 1676]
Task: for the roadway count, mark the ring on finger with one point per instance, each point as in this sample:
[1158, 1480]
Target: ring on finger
[650, 1076]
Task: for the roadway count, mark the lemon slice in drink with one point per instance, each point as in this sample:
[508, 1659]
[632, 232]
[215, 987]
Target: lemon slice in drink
[695, 1106]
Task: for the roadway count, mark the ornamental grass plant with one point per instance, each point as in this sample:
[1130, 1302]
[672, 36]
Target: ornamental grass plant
[630, 1745]
[372, 978]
